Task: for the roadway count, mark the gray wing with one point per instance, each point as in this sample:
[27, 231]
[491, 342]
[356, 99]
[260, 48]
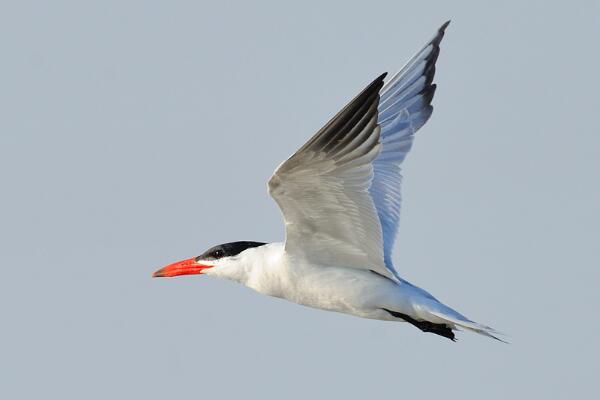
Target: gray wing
[323, 190]
[404, 107]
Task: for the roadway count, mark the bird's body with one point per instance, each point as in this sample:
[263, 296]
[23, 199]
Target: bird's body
[271, 271]
[340, 198]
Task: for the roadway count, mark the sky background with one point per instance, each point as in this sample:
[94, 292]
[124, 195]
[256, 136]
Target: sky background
[134, 134]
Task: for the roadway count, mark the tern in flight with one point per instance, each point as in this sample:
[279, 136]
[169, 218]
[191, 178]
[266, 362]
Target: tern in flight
[340, 199]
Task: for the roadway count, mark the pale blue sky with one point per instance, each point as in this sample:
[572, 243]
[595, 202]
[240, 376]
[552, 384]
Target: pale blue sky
[138, 133]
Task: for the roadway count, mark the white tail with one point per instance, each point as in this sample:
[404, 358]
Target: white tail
[463, 322]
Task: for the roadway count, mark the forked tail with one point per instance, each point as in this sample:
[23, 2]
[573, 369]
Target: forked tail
[430, 315]
[459, 321]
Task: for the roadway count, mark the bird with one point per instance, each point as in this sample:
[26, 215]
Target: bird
[340, 199]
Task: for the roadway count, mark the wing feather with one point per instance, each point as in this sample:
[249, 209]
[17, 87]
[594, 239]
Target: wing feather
[323, 190]
[340, 192]
[405, 106]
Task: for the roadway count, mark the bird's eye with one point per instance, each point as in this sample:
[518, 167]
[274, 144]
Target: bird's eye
[218, 253]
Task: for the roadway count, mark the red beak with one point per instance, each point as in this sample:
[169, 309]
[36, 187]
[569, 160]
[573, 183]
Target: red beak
[184, 267]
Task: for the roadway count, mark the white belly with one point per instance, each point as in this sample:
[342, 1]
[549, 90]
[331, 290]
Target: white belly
[351, 291]
[347, 290]
[270, 270]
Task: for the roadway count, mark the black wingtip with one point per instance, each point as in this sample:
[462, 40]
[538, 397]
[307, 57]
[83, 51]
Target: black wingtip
[380, 79]
[374, 87]
[377, 83]
[444, 26]
[440, 34]
[437, 39]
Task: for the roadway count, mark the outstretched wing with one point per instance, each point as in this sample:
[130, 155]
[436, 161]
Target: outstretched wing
[323, 190]
[404, 107]
[340, 193]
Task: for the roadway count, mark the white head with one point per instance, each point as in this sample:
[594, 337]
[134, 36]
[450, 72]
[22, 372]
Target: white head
[225, 260]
